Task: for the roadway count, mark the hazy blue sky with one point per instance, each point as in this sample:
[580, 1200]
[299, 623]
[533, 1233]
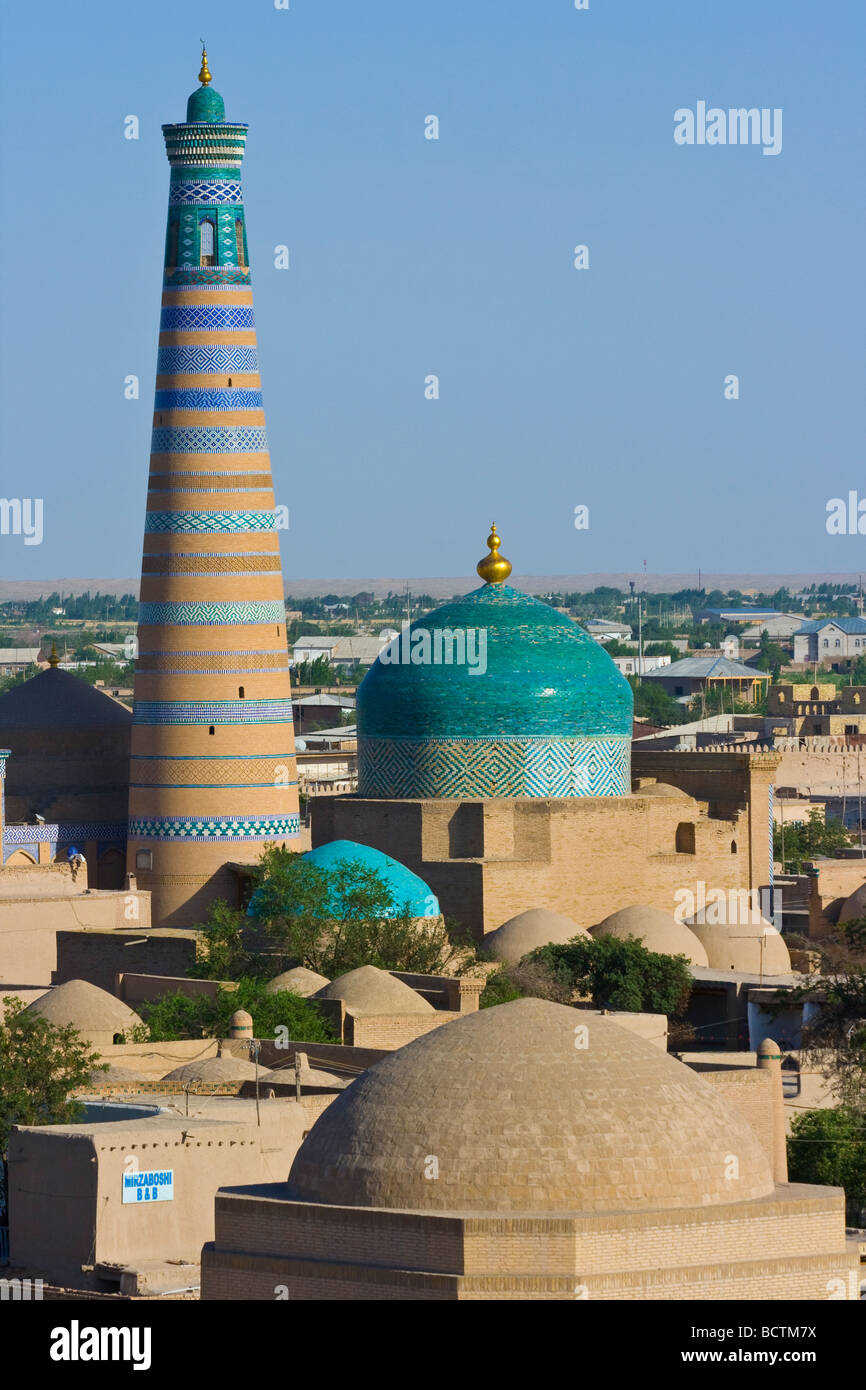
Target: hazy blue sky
[410, 256]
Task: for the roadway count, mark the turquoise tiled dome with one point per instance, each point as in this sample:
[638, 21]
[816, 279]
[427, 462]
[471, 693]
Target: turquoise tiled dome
[205, 105]
[408, 889]
[542, 711]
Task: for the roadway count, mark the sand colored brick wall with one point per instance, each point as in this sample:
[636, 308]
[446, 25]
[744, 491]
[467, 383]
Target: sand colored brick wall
[584, 857]
[752, 1092]
[135, 989]
[821, 773]
[389, 1031]
[29, 929]
[66, 1206]
[100, 956]
[745, 1249]
[159, 1058]
[835, 881]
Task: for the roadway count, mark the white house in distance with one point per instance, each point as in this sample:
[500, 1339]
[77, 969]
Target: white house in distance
[830, 639]
[636, 665]
[343, 653]
[607, 630]
[781, 628]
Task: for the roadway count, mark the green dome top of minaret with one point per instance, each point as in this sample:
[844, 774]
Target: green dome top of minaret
[205, 104]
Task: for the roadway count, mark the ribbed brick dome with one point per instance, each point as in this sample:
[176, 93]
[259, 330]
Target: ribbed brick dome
[659, 931]
[520, 1119]
[535, 927]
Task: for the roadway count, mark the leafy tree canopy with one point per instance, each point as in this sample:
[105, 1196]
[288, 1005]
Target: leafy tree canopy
[41, 1066]
[829, 1147]
[798, 842]
[615, 974]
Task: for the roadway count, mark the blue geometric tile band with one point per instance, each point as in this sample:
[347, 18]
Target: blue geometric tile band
[192, 318]
[201, 191]
[191, 523]
[493, 767]
[213, 711]
[215, 277]
[209, 439]
[65, 832]
[175, 360]
[198, 614]
[206, 398]
[240, 828]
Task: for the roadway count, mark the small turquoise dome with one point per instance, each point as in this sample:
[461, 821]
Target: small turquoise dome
[205, 105]
[495, 694]
[407, 888]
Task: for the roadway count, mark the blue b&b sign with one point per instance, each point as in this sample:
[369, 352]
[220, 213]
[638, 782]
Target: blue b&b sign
[154, 1186]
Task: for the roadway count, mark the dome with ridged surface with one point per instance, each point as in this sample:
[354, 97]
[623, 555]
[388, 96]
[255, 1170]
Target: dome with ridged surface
[537, 926]
[658, 931]
[521, 1119]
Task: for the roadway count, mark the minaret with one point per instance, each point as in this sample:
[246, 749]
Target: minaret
[212, 774]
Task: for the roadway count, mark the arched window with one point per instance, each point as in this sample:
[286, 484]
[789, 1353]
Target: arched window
[239, 238]
[813, 694]
[206, 232]
[240, 692]
[733, 847]
[685, 841]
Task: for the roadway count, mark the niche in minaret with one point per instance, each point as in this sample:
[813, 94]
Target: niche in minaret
[207, 242]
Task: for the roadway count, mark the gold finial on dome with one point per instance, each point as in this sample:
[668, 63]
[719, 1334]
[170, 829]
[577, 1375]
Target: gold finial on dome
[494, 568]
[54, 659]
[204, 76]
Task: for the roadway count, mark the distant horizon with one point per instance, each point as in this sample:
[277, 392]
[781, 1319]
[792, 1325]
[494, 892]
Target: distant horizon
[445, 586]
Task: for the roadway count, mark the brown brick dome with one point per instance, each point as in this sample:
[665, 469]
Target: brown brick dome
[519, 1119]
[750, 947]
[537, 926]
[659, 931]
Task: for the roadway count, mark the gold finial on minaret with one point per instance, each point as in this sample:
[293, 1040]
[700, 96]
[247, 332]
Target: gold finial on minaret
[494, 568]
[54, 659]
[204, 76]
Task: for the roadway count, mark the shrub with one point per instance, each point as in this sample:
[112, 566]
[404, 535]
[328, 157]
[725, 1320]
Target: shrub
[619, 974]
[829, 1147]
[176, 1016]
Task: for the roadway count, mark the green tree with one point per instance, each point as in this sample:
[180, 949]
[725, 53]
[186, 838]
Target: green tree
[318, 672]
[798, 842]
[828, 1147]
[834, 1040]
[41, 1066]
[176, 1016]
[771, 656]
[222, 954]
[652, 702]
[615, 974]
[338, 919]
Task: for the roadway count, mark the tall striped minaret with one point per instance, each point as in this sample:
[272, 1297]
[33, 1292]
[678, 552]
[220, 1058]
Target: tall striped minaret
[212, 773]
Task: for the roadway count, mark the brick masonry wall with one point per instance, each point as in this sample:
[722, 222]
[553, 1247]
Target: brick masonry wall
[100, 956]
